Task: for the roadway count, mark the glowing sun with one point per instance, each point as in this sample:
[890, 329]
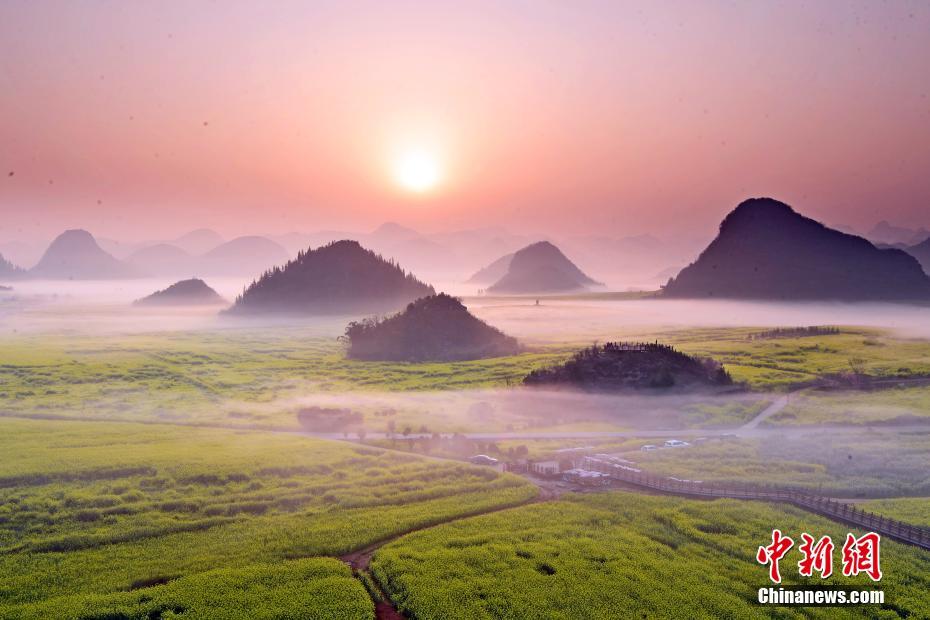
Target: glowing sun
[417, 171]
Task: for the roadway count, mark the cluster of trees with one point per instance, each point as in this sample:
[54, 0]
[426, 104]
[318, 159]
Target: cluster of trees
[636, 365]
[456, 444]
[434, 328]
[794, 332]
[9, 270]
[323, 419]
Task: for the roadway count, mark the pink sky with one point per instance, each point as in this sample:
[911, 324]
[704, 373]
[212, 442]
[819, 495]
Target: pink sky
[146, 119]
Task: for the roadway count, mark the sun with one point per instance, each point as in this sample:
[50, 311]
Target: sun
[417, 171]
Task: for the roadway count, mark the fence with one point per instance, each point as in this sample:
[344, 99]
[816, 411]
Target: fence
[839, 511]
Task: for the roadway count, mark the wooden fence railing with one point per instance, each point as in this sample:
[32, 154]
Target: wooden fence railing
[839, 511]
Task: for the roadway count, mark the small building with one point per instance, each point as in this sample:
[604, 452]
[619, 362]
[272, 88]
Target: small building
[616, 460]
[594, 463]
[586, 477]
[545, 468]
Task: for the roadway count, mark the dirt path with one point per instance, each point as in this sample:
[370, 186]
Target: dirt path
[774, 408]
[360, 559]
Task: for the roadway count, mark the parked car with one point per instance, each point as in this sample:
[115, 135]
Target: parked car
[483, 459]
[649, 447]
[676, 443]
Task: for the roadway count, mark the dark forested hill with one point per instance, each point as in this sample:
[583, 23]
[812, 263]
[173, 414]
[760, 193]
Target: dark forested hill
[541, 268]
[434, 328]
[765, 250]
[632, 366]
[921, 252]
[339, 278]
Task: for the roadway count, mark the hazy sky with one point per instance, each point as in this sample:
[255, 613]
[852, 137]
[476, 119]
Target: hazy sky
[145, 119]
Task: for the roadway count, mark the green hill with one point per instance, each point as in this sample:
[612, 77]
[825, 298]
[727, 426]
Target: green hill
[434, 328]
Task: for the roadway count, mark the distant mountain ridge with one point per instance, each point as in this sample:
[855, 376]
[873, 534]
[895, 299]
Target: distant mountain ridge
[766, 250]
[341, 277]
[75, 255]
[250, 254]
[199, 241]
[887, 233]
[541, 268]
[493, 272]
[163, 259]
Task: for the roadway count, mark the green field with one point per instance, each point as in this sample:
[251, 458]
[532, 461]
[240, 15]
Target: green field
[896, 405]
[618, 555]
[234, 377]
[146, 475]
[913, 510]
[782, 362]
[321, 588]
[93, 509]
[843, 464]
[257, 377]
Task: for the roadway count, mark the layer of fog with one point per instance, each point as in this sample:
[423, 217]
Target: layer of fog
[502, 410]
[576, 320]
[106, 306]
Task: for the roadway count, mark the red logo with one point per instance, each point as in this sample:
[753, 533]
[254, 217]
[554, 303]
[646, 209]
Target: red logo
[773, 553]
[860, 555]
[817, 556]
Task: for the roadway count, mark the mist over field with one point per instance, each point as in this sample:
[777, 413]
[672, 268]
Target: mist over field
[105, 306]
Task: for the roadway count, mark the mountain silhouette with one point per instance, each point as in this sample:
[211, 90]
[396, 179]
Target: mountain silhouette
[199, 241]
[541, 268]
[889, 234]
[765, 250]
[435, 328]
[493, 272]
[921, 252]
[163, 259]
[342, 277]
[391, 233]
[243, 256]
[192, 292]
[75, 255]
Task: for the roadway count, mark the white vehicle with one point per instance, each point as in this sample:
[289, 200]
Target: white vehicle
[649, 447]
[676, 443]
[483, 459]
